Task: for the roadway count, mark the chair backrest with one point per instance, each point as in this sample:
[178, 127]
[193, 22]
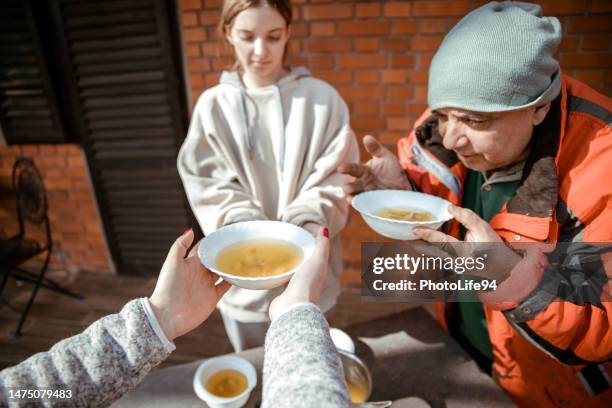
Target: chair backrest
[30, 193]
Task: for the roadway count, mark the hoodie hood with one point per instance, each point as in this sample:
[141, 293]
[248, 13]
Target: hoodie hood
[233, 79]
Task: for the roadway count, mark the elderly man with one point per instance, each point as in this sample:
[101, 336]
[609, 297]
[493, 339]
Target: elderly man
[526, 151]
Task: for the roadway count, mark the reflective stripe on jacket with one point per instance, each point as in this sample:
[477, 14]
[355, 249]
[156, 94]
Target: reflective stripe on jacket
[565, 195]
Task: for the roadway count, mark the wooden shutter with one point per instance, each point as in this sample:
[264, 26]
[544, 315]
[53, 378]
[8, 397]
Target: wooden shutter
[28, 108]
[127, 80]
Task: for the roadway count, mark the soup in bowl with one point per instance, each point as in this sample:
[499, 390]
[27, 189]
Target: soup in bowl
[256, 254]
[394, 213]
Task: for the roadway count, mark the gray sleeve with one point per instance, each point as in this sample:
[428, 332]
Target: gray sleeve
[99, 365]
[301, 366]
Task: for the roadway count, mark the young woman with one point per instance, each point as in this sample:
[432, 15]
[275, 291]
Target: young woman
[265, 144]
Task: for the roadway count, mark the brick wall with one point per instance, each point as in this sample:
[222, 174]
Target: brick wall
[377, 53]
[79, 243]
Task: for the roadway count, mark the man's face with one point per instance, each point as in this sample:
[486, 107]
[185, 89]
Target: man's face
[487, 141]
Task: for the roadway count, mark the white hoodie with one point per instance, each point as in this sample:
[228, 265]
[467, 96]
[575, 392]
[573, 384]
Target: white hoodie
[269, 153]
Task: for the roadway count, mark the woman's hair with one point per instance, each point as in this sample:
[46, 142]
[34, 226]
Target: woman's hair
[231, 8]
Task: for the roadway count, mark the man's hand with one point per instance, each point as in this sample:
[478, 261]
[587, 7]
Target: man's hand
[480, 238]
[307, 282]
[382, 171]
[185, 294]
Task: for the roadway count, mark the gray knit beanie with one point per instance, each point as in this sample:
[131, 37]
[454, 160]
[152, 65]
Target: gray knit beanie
[497, 58]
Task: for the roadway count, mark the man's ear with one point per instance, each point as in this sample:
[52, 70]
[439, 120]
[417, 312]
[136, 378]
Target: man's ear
[540, 113]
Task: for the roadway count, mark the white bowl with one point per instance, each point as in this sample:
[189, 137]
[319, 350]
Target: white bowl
[341, 340]
[370, 202]
[213, 365]
[214, 243]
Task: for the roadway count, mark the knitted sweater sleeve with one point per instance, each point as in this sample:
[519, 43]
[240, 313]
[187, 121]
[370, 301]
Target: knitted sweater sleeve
[97, 366]
[302, 367]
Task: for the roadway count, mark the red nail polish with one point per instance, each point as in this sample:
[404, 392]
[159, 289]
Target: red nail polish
[186, 231]
[326, 232]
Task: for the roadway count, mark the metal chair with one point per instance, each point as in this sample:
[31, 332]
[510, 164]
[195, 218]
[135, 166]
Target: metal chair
[31, 200]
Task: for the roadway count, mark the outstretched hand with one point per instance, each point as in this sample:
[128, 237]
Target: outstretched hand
[185, 293]
[382, 171]
[307, 282]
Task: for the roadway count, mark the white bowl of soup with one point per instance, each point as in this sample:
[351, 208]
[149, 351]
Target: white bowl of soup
[256, 254]
[394, 213]
[225, 382]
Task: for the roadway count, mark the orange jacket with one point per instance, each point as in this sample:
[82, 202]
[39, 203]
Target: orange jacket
[540, 346]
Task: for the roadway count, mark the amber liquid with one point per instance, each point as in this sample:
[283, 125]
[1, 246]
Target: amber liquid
[226, 383]
[357, 393]
[258, 258]
[401, 214]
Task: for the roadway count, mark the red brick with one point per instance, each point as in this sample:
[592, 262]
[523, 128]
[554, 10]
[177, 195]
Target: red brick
[298, 61]
[334, 46]
[404, 26]
[396, 9]
[365, 108]
[596, 42]
[367, 44]
[323, 29]
[216, 49]
[355, 93]
[591, 77]
[223, 63]
[402, 61]
[432, 26]
[193, 50]
[365, 27]
[362, 61]
[189, 19]
[439, 8]
[562, 7]
[212, 4]
[210, 17]
[30, 150]
[294, 47]
[328, 12]
[299, 30]
[58, 184]
[75, 162]
[295, 10]
[600, 6]
[367, 10]
[418, 77]
[320, 62]
[423, 43]
[371, 123]
[569, 43]
[399, 123]
[425, 60]
[590, 24]
[609, 77]
[393, 108]
[394, 77]
[190, 4]
[199, 65]
[390, 138]
[196, 80]
[367, 77]
[420, 93]
[400, 92]
[335, 77]
[212, 79]
[196, 34]
[396, 44]
[417, 109]
[47, 149]
[586, 60]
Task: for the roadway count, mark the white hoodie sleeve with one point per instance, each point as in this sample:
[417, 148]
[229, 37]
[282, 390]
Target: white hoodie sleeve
[321, 199]
[212, 187]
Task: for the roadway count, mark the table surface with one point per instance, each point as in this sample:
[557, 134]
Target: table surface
[408, 354]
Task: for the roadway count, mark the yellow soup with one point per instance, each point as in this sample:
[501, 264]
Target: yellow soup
[258, 258]
[402, 214]
[226, 383]
[357, 392]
